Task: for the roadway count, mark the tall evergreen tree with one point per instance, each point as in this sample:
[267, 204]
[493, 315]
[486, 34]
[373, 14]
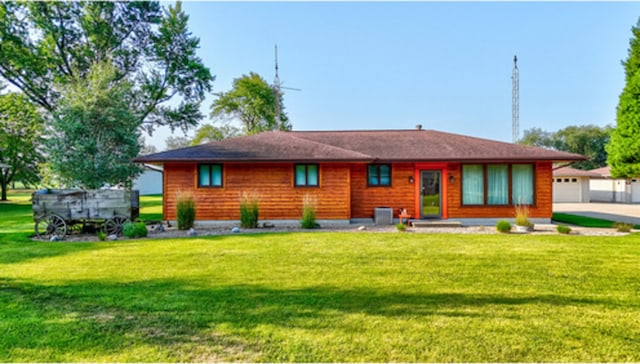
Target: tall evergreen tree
[624, 146]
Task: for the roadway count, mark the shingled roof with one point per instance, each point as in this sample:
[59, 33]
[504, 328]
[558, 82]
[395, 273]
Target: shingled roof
[358, 146]
[573, 172]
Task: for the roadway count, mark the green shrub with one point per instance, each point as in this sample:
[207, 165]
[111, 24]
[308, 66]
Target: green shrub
[102, 236]
[503, 226]
[186, 210]
[129, 230]
[249, 211]
[141, 229]
[623, 227]
[563, 229]
[134, 230]
[308, 212]
[401, 227]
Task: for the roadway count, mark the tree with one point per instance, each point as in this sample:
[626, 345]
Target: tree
[209, 133]
[538, 138]
[253, 102]
[46, 45]
[624, 147]
[146, 148]
[176, 142]
[588, 140]
[21, 127]
[94, 133]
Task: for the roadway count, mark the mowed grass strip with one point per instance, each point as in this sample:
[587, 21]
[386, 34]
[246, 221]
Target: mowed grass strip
[585, 221]
[323, 297]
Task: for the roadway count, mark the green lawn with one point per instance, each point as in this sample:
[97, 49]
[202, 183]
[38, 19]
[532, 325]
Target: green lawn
[584, 221]
[320, 297]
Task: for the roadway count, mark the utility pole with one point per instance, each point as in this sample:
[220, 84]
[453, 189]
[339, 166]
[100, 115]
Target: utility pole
[515, 101]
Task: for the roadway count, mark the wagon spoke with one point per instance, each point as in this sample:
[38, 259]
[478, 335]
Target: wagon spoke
[114, 225]
[53, 225]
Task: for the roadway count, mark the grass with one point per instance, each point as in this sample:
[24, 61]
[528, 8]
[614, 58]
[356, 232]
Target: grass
[584, 221]
[320, 297]
[431, 205]
[16, 215]
[151, 207]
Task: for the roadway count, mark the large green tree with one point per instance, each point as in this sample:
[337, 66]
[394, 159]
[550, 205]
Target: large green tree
[588, 140]
[94, 134]
[209, 133]
[624, 147]
[45, 45]
[538, 138]
[254, 103]
[21, 127]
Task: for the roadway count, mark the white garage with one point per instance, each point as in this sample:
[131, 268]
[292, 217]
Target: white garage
[571, 185]
[607, 189]
[635, 190]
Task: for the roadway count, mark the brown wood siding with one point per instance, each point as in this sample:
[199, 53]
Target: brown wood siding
[400, 194]
[543, 204]
[272, 183]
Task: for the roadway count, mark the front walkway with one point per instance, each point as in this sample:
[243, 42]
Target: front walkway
[618, 212]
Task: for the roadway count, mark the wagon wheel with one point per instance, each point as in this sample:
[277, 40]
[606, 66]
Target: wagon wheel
[50, 226]
[114, 225]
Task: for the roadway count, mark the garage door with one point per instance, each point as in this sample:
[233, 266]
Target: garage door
[635, 190]
[566, 189]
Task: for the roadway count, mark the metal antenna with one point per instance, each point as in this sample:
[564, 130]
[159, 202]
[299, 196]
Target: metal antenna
[277, 87]
[515, 101]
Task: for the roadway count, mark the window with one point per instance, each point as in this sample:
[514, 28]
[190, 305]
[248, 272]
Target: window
[379, 175]
[210, 175]
[522, 184]
[306, 175]
[472, 184]
[574, 180]
[498, 184]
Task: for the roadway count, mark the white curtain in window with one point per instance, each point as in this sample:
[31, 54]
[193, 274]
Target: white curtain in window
[472, 184]
[497, 184]
[522, 179]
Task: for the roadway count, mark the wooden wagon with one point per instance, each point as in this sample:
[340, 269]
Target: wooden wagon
[56, 211]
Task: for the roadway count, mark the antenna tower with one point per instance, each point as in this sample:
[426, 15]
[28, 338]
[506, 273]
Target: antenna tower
[276, 88]
[515, 101]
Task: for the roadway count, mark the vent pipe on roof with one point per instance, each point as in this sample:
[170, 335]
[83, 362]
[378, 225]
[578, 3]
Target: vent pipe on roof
[419, 127]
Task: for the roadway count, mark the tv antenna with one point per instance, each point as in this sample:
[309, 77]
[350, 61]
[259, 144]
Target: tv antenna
[277, 87]
[515, 101]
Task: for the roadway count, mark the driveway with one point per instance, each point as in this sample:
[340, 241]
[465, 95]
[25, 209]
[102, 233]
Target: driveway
[619, 212]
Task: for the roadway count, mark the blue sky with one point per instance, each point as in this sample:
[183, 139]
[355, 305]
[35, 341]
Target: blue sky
[445, 65]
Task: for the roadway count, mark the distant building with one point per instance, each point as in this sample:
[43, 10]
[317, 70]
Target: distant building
[606, 189]
[150, 181]
[572, 185]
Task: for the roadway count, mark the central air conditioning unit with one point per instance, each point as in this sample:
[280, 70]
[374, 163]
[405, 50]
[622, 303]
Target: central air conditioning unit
[383, 216]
